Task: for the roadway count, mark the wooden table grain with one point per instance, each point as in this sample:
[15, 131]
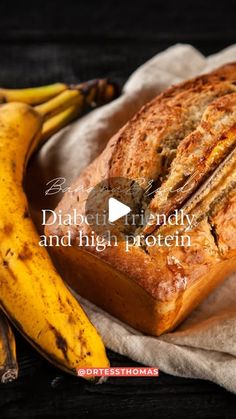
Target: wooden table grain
[74, 41]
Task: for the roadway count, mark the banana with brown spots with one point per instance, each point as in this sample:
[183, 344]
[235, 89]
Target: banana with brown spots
[32, 293]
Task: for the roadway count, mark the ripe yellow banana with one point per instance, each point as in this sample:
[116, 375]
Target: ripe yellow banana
[92, 93]
[32, 95]
[59, 103]
[52, 125]
[8, 362]
[32, 294]
[71, 103]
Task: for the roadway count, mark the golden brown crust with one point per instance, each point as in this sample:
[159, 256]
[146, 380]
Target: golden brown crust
[139, 149]
[189, 128]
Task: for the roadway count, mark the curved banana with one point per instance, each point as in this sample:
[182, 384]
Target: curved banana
[8, 362]
[32, 95]
[92, 93]
[32, 293]
[59, 103]
[71, 103]
[59, 120]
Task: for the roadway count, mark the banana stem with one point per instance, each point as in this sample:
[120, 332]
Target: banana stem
[32, 95]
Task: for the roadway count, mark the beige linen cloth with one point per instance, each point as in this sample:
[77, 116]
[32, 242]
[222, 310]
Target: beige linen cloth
[204, 346]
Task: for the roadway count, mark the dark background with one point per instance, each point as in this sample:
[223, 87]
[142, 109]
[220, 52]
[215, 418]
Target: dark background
[48, 41]
[44, 41]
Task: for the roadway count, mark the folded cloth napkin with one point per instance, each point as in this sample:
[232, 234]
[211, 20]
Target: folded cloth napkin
[204, 346]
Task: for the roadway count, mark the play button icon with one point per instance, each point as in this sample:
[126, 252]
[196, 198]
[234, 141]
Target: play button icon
[113, 206]
[116, 210]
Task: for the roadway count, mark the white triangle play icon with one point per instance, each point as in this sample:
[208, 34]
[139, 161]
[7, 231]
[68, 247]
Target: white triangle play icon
[116, 210]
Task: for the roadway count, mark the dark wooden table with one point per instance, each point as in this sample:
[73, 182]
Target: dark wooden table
[73, 41]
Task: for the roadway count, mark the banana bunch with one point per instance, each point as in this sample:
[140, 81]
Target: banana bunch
[32, 294]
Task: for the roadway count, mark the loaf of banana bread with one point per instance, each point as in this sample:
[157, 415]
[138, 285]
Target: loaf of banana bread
[185, 142]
